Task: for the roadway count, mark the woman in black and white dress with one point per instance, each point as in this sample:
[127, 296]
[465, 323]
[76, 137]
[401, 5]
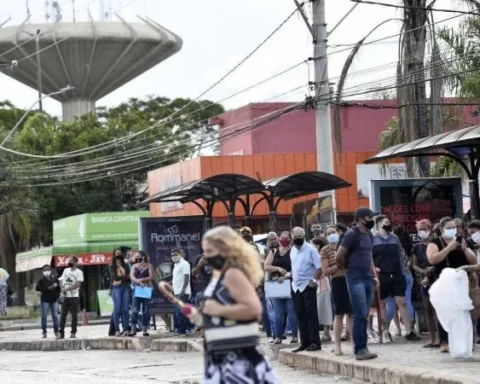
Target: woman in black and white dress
[231, 311]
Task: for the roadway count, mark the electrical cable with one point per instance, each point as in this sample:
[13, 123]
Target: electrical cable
[428, 9]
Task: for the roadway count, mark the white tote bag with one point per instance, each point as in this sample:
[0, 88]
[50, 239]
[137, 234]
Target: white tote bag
[277, 290]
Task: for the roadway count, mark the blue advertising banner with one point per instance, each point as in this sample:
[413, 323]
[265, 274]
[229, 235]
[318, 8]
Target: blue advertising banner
[159, 237]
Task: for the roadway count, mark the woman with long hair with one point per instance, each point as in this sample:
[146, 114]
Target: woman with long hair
[340, 295]
[279, 266]
[448, 251]
[422, 266]
[120, 284]
[142, 274]
[231, 311]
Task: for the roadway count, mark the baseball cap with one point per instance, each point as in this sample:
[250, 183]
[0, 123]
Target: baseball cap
[365, 212]
[245, 231]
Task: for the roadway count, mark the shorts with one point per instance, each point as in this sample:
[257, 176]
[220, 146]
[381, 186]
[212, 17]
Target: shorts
[392, 284]
[340, 295]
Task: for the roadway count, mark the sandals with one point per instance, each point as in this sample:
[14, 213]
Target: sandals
[431, 345]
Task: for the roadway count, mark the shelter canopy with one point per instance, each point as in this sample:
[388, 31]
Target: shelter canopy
[33, 259]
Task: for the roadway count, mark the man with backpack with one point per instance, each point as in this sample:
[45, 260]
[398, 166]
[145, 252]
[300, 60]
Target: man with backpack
[355, 255]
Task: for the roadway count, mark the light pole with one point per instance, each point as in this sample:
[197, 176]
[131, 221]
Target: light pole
[63, 90]
[39, 70]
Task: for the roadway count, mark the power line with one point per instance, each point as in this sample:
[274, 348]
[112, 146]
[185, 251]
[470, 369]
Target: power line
[415, 7]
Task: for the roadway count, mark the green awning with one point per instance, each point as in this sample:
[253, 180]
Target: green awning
[33, 259]
[92, 247]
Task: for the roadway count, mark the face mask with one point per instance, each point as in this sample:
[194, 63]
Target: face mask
[247, 238]
[284, 242]
[46, 273]
[298, 242]
[216, 262]
[333, 238]
[274, 244]
[476, 237]
[388, 227]
[119, 258]
[423, 234]
[369, 224]
[70, 264]
[450, 233]
[176, 259]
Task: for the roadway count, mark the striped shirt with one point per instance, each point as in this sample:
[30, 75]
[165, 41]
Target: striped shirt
[328, 253]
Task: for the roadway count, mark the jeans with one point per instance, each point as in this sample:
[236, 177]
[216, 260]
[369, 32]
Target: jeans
[307, 316]
[281, 306]
[268, 317]
[361, 292]
[121, 299]
[136, 302]
[408, 301]
[54, 310]
[70, 304]
[180, 322]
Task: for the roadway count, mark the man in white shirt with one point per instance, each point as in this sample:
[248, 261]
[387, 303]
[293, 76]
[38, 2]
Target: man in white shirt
[70, 281]
[181, 288]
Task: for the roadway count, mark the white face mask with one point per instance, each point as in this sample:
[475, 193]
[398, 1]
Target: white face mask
[476, 237]
[46, 273]
[423, 234]
[450, 233]
[176, 259]
[333, 238]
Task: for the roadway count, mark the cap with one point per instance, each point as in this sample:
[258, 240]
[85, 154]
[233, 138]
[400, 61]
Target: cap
[365, 212]
[245, 231]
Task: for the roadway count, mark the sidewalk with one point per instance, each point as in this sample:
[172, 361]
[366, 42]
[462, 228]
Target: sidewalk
[397, 363]
[23, 324]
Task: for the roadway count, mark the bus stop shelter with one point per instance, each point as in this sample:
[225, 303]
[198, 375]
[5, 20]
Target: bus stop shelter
[463, 146]
[230, 189]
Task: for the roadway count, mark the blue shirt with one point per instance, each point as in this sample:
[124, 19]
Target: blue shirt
[305, 263]
[359, 263]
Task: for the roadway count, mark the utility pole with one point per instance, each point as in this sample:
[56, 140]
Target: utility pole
[323, 122]
[39, 71]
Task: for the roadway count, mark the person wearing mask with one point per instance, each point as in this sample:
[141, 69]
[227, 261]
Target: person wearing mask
[279, 266]
[268, 313]
[230, 312]
[341, 298]
[388, 257]
[120, 283]
[142, 274]
[70, 282]
[3, 291]
[355, 255]
[181, 288]
[422, 266]
[247, 235]
[324, 299]
[49, 288]
[203, 271]
[448, 251]
[341, 230]
[473, 239]
[305, 271]
[318, 234]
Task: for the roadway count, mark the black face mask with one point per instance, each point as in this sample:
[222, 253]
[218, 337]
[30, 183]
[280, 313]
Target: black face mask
[298, 242]
[369, 224]
[247, 238]
[388, 227]
[70, 265]
[216, 262]
[118, 257]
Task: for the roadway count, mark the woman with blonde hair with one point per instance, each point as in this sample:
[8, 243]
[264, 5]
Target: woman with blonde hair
[231, 311]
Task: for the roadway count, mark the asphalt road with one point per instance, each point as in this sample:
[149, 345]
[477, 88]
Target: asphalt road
[121, 367]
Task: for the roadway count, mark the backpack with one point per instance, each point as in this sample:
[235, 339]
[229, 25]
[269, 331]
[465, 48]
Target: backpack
[356, 243]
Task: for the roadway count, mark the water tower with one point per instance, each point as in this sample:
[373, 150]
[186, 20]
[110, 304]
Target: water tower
[95, 57]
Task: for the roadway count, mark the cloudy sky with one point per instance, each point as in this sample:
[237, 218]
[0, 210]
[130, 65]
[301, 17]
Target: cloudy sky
[217, 34]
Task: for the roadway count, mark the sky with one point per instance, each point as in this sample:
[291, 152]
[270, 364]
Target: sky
[217, 34]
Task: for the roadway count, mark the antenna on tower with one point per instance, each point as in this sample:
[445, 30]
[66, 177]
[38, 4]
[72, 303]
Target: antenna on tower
[28, 7]
[47, 11]
[57, 10]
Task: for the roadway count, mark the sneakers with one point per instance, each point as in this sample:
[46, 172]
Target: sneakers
[44, 335]
[73, 336]
[313, 347]
[386, 337]
[412, 336]
[60, 336]
[364, 354]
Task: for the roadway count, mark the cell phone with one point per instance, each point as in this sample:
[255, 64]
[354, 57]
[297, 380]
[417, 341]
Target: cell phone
[459, 241]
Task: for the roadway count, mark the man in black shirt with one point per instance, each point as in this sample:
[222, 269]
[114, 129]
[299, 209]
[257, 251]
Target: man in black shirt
[49, 288]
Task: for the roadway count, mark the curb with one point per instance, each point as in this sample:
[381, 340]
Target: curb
[29, 327]
[169, 345]
[69, 345]
[370, 372]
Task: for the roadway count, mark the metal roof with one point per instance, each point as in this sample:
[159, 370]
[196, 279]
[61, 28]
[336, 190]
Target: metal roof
[304, 183]
[223, 187]
[457, 143]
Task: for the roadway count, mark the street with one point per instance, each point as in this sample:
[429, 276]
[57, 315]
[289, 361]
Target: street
[121, 367]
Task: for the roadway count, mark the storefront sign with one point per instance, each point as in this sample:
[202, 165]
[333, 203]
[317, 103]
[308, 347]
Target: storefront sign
[33, 259]
[95, 227]
[160, 236]
[84, 259]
